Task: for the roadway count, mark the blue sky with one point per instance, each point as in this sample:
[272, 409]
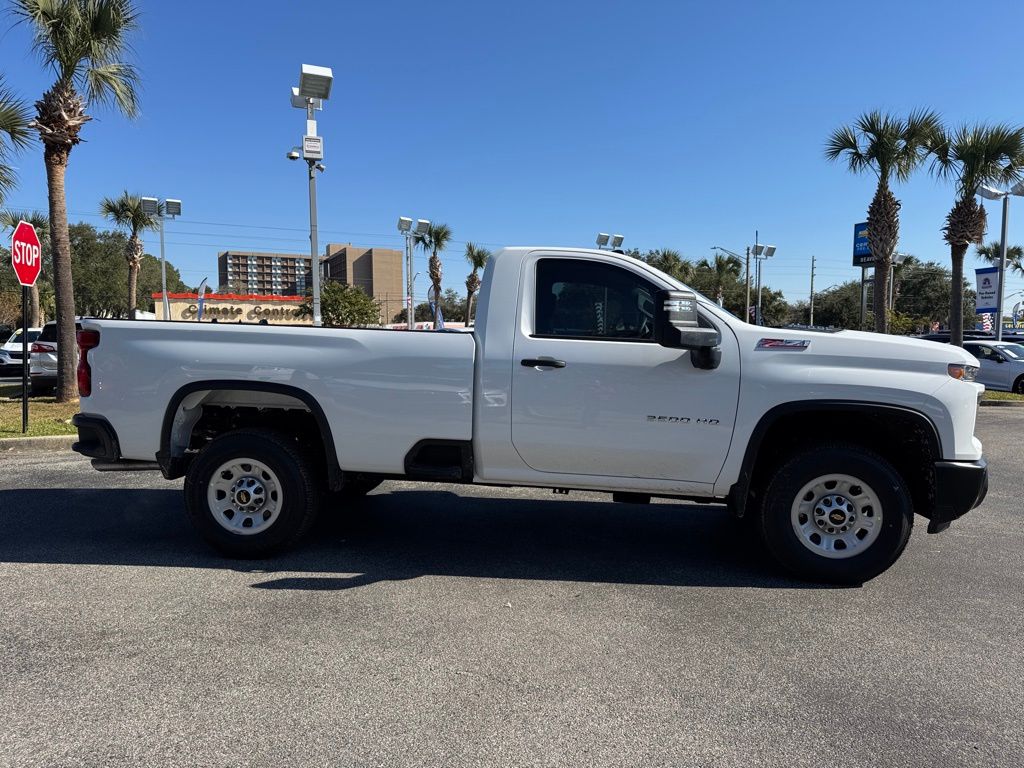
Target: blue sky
[679, 124]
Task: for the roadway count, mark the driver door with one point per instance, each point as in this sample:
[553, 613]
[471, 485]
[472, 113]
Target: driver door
[593, 394]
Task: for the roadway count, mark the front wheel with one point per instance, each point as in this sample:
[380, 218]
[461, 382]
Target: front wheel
[836, 514]
[251, 493]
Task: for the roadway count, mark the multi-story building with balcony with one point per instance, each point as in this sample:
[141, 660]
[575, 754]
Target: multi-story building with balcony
[268, 274]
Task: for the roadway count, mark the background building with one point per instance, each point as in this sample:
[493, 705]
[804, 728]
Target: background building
[378, 271]
[279, 274]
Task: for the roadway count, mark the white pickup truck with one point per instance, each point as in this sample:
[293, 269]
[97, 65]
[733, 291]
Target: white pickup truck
[586, 370]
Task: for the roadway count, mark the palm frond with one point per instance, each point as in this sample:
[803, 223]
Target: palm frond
[116, 84]
[14, 119]
[83, 41]
[9, 220]
[973, 155]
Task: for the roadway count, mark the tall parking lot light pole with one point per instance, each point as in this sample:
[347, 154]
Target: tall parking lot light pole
[761, 253]
[314, 89]
[990, 193]
[168, 208]
[405, 226]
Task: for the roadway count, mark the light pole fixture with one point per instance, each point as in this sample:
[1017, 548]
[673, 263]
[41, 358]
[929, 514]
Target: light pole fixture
[616, 241]
[761, 253]
[410, 230]
[991, 193]
[168, 208]
[602, 240]
[314, 89]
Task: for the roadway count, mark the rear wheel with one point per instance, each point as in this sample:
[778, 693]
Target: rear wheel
[837, 514]
[1018, 385]
[251, 493]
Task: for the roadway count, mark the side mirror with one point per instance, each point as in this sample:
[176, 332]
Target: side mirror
[676, 325]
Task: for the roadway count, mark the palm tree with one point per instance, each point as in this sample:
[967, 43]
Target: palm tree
[477, 258]
[126, 212]
[435, 240]
[971, 156]
[14, 135]
[722, 269]
[993, 255]
[83, 42]
[671, 263]
[891, 148]
[9, 220]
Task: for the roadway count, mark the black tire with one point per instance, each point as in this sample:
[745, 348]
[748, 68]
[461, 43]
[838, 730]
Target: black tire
[39, 390]
[299, 492]
[1018, 385]
[779, 534]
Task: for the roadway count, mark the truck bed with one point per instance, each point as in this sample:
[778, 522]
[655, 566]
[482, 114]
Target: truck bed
[381, 391]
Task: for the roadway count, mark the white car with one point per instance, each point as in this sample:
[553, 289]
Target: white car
[10, 351]
[42, 371]
[1002, 364]
[586, 370]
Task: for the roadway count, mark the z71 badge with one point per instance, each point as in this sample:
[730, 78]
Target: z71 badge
[784, 345]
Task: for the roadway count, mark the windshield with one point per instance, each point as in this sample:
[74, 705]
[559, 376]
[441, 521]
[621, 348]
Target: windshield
[1012, 351]
[16, 337]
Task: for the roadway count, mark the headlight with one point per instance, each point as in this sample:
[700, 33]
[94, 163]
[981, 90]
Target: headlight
[962, 372]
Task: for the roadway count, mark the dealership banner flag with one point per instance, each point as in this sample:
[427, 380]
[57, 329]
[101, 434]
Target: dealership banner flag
[202, 300]
[988, 290]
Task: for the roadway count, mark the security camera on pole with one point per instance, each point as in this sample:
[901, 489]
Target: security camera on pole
[314, 89]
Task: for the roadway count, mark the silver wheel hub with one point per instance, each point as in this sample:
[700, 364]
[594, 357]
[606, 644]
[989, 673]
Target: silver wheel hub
[837, 516]
[244, 496]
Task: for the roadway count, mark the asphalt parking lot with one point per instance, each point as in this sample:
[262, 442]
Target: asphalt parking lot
[445, 626]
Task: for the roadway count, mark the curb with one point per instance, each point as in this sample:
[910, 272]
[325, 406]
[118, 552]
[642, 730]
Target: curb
[1004, 403]
[48, 443]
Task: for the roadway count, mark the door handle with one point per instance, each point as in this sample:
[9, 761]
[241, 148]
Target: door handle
[542, 362]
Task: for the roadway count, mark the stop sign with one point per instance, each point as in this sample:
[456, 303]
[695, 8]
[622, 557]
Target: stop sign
[26, 253]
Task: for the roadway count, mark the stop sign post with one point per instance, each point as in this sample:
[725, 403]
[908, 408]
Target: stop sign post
[27, 260]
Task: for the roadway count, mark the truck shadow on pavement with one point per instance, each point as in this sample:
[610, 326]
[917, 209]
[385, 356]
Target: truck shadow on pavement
[404, 534]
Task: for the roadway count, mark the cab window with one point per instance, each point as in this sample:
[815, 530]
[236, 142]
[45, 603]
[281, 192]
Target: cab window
[583, 299]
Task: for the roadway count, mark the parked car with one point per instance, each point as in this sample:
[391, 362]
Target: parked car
[10, 351]
[586, 370]
[42, 371]
[1002, 364]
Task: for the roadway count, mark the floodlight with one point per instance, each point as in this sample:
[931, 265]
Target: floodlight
[151, 206]
[315, 82]
[422, 226]
[301, 102]
[404, 224]
[616, 241]
[1017, 189]
[172, 207]
[602, 239]
[769, 251]
[990, 193]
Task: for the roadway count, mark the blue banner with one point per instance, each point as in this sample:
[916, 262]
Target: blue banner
[861, 252]
[988, 290]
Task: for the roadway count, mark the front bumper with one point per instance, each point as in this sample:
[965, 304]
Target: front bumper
[960, 486]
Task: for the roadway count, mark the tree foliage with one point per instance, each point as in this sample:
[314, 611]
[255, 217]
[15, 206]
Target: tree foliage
[343, 305]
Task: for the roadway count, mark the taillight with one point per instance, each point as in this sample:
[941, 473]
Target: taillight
[38, 348]
[86, 340]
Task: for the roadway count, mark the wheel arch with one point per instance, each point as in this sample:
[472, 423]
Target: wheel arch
[172, 457]
[786, 426]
